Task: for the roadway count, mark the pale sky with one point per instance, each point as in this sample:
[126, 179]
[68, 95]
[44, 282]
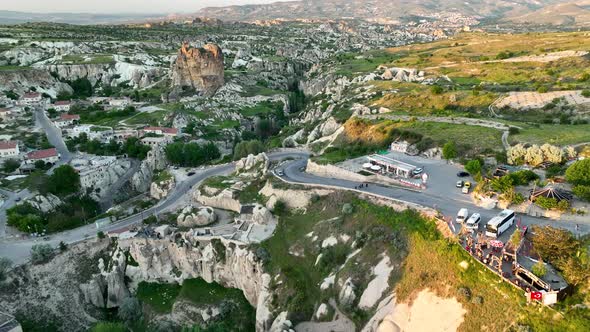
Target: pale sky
[118, 6]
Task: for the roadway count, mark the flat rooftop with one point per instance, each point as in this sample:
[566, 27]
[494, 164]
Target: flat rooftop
[391, 162]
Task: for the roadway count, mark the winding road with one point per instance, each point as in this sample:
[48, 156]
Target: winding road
[444, 199]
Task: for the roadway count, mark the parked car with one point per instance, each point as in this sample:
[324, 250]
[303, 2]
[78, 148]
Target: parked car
[473, 221]
[280, 172]
[190, 173]
[418, 171]
[462, 174]
[466, 188]
[462, 215]
[459, 184]
[302, 169]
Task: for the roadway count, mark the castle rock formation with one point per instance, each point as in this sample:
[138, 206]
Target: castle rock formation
[198, 69]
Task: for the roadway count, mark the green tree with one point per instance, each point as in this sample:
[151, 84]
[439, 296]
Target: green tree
[473, 167]
[449, 150]
[244, 148]
[64, 181]
[586, 93]
[82, 87]
[579, 173]
[10, 165]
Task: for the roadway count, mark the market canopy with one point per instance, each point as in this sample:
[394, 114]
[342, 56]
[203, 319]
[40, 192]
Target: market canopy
[551, 192]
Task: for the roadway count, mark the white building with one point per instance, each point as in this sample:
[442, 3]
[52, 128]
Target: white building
[165, 131]
[152, 141]
[9, 149]
[48, 156]
[67, 120]
[122, 103]
[31, 98]
[100, 133]
[62, 105]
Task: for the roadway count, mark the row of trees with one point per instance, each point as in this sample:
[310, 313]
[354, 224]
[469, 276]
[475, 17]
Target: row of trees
[535, 155]
[132, 147]
[191, 154]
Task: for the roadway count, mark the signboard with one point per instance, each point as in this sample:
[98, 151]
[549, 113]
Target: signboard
[537, 296]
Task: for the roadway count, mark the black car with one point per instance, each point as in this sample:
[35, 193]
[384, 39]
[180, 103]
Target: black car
[462, 174]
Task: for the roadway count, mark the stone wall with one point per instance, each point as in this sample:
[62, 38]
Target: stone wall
[332, 171]
[224, 200]
[294, 199]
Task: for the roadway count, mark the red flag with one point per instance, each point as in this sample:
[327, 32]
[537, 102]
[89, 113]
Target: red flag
[536, 296]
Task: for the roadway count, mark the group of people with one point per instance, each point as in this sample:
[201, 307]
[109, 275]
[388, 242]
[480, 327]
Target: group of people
[362, 185]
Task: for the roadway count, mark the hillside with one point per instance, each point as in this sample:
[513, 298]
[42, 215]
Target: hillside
[574, 13]
[373, 9]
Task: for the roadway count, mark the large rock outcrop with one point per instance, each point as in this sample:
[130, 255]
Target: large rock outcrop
[199, 69]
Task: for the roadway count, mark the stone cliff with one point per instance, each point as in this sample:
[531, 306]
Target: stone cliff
[200, 69]
[182, 256]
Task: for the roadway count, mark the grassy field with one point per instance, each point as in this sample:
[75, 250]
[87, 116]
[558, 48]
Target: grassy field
[161, 298]
[551, 133]
[152, 118]
[93, 59]
[476, 137]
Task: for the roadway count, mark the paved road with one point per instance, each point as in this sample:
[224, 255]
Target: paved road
[19, 250]
[54, 137]
[448, 204]
[439, 196]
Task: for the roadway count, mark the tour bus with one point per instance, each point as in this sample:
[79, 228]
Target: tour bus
[500, 223]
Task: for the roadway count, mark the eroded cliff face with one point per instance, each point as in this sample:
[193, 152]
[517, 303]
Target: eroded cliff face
[200, 69]
[182, 256]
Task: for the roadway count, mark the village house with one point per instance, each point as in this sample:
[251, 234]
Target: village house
[153, 141]
[93, 170]
[164, 131]
[9, 149]
[5, 114]
[50, 156]
[119, 103]
[31, 99]
[62, 105]
[100, 133]
[122, 135]
[67, 120]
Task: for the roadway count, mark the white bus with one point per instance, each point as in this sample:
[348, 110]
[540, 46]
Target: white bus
[500, 223]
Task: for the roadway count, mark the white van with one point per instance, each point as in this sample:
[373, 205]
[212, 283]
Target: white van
[462, 216]
[473, 221]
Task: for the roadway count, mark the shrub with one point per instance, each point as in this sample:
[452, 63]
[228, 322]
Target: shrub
[109, 327]
[244, 148]
[513, 131]
[5, 265]
[464, 292]
[449, 150]
[586, 93]
[100, 235]
[473, 167]
[579, 173]
[280, 208]
[583, 192]
[477, 300]
[41, 253]
[63, 246]
[539, 269]
[347, 208]
[436, 89]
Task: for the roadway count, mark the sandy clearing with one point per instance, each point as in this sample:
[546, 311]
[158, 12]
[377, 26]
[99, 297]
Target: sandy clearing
[428, 312]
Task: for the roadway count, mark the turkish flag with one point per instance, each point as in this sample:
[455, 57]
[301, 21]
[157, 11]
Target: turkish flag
[536, 296]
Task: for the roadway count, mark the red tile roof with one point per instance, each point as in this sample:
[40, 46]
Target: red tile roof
[42, 154]
[5, 145]
[62, 102]
[162, 129]
[69, 117]
[32, 95]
